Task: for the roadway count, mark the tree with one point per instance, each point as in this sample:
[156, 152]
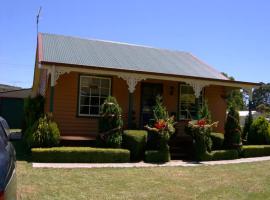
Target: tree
[235, 98]
[261, 96]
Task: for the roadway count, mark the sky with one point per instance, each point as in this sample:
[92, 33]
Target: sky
[232, 36]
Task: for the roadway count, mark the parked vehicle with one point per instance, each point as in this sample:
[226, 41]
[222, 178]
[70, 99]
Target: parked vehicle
[8, 184]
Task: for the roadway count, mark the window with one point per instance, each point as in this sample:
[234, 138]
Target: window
[93, 91]
[187, 104]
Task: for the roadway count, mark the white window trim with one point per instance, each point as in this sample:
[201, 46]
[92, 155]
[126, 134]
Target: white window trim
[79, 99]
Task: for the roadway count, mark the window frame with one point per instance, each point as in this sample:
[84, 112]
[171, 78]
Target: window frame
[99, 96]
[201, 100]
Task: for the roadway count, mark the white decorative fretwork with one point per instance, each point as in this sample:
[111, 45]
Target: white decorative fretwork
[131, 80]
[59, 72]
[197, 86]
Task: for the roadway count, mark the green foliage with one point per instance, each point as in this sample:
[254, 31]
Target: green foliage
[135, 141]
[248, 122]
[157, 156]
[255, 151]
[264, 109]
[201, 134]
[44, 133]
[232, 136]
[159, 110]
[110, 124]
[80, 155]
[259, 132]
[235, 97]
[224, 154]
[217, 140]
[261, 96]
[204, 112]
[33, 110]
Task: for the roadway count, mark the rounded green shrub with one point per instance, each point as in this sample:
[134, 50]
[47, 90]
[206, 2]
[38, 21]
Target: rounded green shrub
[259, 132]
[44, 133]
[217, 140]
[110, 124]
[135, 141]
[232, 136]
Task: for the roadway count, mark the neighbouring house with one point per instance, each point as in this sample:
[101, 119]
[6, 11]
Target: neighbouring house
[75, 75]
[11, 106]
[5, 88]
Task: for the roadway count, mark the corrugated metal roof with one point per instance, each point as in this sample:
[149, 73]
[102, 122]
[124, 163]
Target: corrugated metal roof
[107, 54]
[22, 93]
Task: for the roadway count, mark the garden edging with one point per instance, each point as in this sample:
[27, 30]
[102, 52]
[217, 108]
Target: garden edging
[178, 163]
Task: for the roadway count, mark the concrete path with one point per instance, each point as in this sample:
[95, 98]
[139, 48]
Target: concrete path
[173, 163]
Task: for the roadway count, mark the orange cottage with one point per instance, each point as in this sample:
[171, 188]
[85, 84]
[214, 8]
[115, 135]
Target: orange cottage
[75, 76]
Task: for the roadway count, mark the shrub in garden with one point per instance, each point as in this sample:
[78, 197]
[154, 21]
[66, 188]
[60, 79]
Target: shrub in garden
[224, 154]
[255, 151]
[200, 131]
[204, 112]
[110, 124]
[248, 122]
[163, 127]
[80, 155]
[135, 141]
[157, 156]
[33, 110]
[44, 133]
[217, 140]
[232, 136]
[259, 132]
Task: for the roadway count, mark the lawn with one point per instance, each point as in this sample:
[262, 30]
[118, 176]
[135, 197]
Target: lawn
[236, 181]
[240, 181]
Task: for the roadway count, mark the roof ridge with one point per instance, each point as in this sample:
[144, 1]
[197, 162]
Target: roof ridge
[114, 42]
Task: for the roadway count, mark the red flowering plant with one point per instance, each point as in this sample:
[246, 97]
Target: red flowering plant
[200, 130]
[163, 126]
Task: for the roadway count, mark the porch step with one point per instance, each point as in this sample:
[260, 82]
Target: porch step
[181, 147]
[77, 140]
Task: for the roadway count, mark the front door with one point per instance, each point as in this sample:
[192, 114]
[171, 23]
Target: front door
[149, 91]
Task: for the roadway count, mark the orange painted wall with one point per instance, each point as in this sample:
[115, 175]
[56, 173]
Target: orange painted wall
[66, 97]
[217, 105]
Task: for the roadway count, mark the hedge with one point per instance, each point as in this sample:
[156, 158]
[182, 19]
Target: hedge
[155, 156]
[80, 155]
[221, 155]
[135, 141]
[255, 151]
[217, 140]
[224, 155]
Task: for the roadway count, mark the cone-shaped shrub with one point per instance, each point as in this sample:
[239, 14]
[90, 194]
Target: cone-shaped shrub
[232, 136]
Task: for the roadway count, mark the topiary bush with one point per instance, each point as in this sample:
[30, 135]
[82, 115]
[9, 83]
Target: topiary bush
[44, 133]
[157, 156]
[259, 132]
[80, 155]
[217, 140]
[230, 154]
[232, 136]
[110, 124]
[135, 141]
[255, 151]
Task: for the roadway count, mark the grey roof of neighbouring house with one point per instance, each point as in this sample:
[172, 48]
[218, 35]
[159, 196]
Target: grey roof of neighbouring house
[21, 94]
[114, 55]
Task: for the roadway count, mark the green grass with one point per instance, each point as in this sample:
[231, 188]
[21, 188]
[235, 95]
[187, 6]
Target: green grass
[240, 181]
[236, 181]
